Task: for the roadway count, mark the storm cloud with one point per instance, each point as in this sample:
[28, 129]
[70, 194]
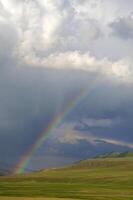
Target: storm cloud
[52, 50]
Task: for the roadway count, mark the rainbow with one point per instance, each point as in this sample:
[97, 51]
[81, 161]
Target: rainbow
[56, 121]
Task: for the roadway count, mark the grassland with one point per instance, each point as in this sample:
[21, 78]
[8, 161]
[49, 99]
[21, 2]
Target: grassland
[98, 179]
[31, 198]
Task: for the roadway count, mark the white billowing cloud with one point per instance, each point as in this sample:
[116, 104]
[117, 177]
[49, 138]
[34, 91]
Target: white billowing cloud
[86, 9]
[57, 34]
[51, 27]
[41, 29]
[122, 69]
[47, 26]
[103, 11]
[36, 22]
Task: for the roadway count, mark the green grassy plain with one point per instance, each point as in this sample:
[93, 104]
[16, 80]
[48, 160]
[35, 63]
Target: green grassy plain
[98, 179]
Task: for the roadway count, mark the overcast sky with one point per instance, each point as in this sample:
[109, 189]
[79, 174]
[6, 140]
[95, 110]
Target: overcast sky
[51, 50]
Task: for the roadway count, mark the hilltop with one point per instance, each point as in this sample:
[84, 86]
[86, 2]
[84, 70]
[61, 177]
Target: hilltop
[115, 154]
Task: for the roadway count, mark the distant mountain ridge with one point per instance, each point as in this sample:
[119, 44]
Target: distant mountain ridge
[115, 155]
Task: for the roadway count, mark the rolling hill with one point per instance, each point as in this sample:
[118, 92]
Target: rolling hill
[116, 155]
[96, 179]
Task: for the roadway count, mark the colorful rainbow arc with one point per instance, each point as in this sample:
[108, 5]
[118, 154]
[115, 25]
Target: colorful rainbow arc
[57, 120]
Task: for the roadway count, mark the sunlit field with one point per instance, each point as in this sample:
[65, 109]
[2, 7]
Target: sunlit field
[98, 179]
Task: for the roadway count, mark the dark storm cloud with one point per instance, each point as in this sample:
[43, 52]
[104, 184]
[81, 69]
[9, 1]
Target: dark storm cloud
[29, 98]
[46, 60]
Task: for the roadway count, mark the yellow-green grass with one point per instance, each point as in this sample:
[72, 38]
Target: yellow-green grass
[98, 179]
[31, 198]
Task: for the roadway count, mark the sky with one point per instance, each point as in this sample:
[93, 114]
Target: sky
[52, 50]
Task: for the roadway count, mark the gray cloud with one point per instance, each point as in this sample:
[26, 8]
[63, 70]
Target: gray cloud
[66, 133]
[123, 27]
[90, 122]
